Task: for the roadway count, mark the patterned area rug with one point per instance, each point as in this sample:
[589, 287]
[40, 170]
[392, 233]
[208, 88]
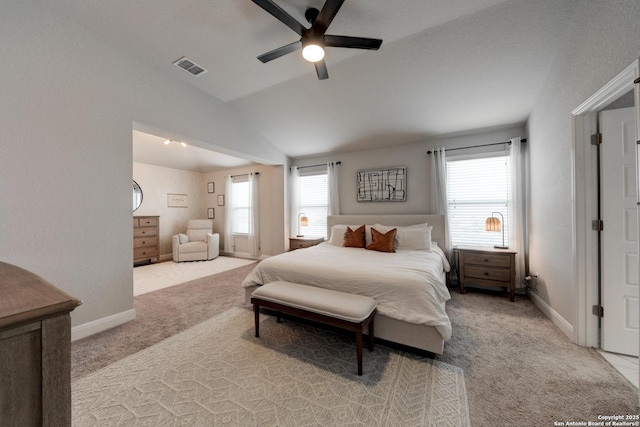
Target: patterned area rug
[149, 278]
[218, 374]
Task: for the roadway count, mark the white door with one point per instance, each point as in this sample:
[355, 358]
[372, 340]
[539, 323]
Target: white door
[620, 233]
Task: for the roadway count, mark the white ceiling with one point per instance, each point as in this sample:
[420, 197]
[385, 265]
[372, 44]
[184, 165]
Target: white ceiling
[152, 150]
[445, 66]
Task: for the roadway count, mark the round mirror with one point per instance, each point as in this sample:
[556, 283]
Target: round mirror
[137, 196]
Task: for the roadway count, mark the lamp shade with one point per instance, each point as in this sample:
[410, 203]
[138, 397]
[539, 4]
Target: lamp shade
[304, 221]
[492, 224]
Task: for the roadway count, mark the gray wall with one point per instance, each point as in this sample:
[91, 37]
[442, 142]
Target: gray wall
[414, 157]
[156, 182]
[603, 39]
[68, 106]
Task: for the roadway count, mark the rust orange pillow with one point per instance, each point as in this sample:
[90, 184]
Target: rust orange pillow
[354, 238]
[382, 242]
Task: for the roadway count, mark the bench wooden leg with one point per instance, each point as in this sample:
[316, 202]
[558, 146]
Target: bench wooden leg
[256, 314]
[371, 334]
[359, 350]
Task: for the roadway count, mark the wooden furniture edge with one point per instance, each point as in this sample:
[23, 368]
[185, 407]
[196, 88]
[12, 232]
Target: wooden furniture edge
[322, 318]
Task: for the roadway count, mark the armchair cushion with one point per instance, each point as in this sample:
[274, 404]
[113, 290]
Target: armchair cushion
[193, 247]
[183, 238]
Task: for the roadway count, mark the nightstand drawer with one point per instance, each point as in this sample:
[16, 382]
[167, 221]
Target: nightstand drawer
[494, 260]
[299, 245]
[487, 273]
[304, 242]
[487, 267]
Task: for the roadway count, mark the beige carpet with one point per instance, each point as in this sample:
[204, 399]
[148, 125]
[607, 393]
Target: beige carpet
[218, 373]
[149, 278]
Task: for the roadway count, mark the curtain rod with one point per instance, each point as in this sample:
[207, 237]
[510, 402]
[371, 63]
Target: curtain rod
[244, 174]
[480, 145]
[322, 164]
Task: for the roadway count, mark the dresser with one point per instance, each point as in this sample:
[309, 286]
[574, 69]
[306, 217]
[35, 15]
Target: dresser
[146, 238]
[487, 267]
[35, 350]
[304, 242]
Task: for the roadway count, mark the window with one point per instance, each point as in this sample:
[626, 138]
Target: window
[314, 201]
[476, 187]
[240, 205]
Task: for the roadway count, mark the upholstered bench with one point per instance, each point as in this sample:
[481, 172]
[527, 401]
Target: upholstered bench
[339, 309]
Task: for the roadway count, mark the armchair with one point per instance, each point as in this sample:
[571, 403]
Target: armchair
[198, 244]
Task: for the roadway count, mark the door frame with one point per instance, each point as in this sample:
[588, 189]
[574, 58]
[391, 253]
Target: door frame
[585, 202]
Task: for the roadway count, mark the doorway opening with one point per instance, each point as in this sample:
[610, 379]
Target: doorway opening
[587, 205]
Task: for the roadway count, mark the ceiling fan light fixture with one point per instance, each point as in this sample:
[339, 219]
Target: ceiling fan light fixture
[313, 52]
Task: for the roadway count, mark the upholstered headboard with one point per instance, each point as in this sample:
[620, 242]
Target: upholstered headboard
[437, 221]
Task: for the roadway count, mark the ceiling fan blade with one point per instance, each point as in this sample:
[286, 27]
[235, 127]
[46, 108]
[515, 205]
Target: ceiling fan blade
[321, 70]
[352, 42]
[326, 15]
[281, 51]
[281, 15]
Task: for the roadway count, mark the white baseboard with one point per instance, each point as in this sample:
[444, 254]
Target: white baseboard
[554, 316]
[244, 255]
[99, 325]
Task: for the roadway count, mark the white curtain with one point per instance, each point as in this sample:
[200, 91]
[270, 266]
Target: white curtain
[438, 192]
[295, 200]
[228, 216]
[517, 228]
[334, 189]
[254, 215]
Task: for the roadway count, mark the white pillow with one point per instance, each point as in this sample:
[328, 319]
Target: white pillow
[338, 230]
[409, 237]
[183, 238]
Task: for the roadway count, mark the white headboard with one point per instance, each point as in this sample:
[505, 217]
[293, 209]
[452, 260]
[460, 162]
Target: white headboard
[437, 221]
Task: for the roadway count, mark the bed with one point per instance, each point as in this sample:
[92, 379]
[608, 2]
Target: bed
[408, 285]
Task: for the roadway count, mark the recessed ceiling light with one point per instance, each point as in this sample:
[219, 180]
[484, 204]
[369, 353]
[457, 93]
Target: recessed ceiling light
[167, 142]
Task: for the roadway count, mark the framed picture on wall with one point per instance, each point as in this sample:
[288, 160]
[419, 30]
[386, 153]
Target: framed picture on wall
[211, 213]
[220, 199]
[382, 185]
[211, 187]
[177, 200]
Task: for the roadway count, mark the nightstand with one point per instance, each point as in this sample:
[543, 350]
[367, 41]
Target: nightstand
[304, 242]
[487, 267]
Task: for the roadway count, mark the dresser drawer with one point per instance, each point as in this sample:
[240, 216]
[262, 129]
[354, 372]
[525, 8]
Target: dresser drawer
[494, 260]
[145, 231]
[144, 242]
[147, 222]
[487, 273]
[144, 253]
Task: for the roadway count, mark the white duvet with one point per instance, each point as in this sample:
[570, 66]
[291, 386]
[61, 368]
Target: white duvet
[407, 285]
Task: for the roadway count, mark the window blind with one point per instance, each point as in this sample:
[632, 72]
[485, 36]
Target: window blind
[314, 199]
[240, 208]
[475, 188]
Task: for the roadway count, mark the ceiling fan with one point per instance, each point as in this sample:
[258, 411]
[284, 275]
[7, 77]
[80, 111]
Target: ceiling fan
[313, 40]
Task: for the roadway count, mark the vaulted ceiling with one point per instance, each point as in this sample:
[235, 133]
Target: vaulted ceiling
[445, 66]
